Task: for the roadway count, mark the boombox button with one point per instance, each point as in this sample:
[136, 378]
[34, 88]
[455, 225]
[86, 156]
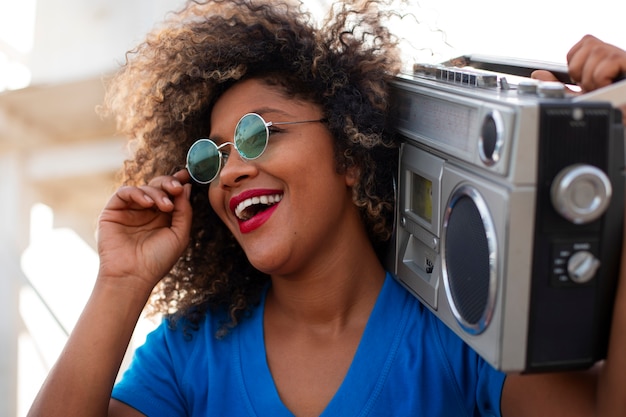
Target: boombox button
[582, 266]
[551, 89]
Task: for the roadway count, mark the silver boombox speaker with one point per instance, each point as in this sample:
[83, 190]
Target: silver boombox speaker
[510, 209]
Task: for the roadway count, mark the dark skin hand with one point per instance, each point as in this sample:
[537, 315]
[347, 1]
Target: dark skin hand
[592, 64]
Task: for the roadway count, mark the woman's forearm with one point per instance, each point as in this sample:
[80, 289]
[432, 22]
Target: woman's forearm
[612, 381]
[81, 381]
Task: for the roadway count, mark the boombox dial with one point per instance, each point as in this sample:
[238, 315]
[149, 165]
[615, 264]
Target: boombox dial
[581, 193]
[582, 266]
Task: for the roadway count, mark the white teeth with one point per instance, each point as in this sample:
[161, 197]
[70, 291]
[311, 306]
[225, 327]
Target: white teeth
[264, 199]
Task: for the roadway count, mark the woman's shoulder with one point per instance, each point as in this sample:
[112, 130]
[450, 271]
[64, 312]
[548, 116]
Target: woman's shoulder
[187, 331]
[425, 331]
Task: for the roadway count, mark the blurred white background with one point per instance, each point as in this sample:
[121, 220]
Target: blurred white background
[58, 159]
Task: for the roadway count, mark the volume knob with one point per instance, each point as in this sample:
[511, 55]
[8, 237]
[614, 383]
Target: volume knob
[581, 193]
[582, 267]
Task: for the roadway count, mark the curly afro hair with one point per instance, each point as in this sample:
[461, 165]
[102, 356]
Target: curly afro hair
[163, 95]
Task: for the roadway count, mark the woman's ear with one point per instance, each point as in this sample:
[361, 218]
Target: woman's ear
[352, 175]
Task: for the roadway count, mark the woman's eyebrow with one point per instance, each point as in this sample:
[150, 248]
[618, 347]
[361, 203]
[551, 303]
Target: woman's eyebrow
[274, 110]
[218, 139]
[260, 111]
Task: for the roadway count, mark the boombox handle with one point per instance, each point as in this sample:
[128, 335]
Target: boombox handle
[513, 66]
[614, 93]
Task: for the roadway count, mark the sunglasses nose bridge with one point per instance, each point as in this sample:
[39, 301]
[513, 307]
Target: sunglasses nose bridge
[234, 168]
[226, 144]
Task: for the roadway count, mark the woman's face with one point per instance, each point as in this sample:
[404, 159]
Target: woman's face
[298, 203]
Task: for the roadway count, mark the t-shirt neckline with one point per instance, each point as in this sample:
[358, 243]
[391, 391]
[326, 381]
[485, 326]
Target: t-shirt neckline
[365, 376]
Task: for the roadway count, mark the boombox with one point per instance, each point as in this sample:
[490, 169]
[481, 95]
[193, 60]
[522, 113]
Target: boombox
[510, 209]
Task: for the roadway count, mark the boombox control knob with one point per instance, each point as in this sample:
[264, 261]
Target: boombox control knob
[582, 266]
[581, 193]
[551, 89]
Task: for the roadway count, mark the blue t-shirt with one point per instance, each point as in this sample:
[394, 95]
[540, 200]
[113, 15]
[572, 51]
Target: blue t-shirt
[407, 364]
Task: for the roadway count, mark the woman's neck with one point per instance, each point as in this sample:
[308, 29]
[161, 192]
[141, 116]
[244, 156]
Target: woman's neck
[332, 295]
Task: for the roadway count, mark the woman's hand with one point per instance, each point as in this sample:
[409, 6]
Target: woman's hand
[142, 231]
[593, 63]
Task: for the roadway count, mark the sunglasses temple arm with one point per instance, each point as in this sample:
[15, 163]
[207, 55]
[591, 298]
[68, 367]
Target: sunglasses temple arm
[268, 124]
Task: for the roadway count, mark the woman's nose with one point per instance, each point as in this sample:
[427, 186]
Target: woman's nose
[235, 169]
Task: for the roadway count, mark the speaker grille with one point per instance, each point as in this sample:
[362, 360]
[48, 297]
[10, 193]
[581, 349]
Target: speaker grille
[469, 259]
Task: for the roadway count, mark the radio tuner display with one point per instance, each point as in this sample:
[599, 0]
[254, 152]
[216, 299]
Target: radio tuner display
[421, 197]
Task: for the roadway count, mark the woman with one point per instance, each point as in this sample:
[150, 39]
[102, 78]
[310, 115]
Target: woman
[268, 267]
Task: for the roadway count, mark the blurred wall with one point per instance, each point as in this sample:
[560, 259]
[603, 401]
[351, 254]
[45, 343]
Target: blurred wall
[55, 151]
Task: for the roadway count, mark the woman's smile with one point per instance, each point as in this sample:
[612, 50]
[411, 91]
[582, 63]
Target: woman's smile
[254, 207]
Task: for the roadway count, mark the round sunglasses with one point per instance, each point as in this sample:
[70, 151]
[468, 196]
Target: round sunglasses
[205, 158]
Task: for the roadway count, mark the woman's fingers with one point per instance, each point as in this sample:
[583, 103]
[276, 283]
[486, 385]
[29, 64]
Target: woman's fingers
[182, 213]
[128, 197]
[543, 75]
[159, 194]
[594, 64]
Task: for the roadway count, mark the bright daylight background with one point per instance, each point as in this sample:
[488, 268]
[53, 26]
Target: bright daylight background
[57, 160]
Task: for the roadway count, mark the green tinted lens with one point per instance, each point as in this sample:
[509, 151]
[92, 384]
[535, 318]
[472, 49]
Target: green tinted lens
[203, 161]
[251, 136]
